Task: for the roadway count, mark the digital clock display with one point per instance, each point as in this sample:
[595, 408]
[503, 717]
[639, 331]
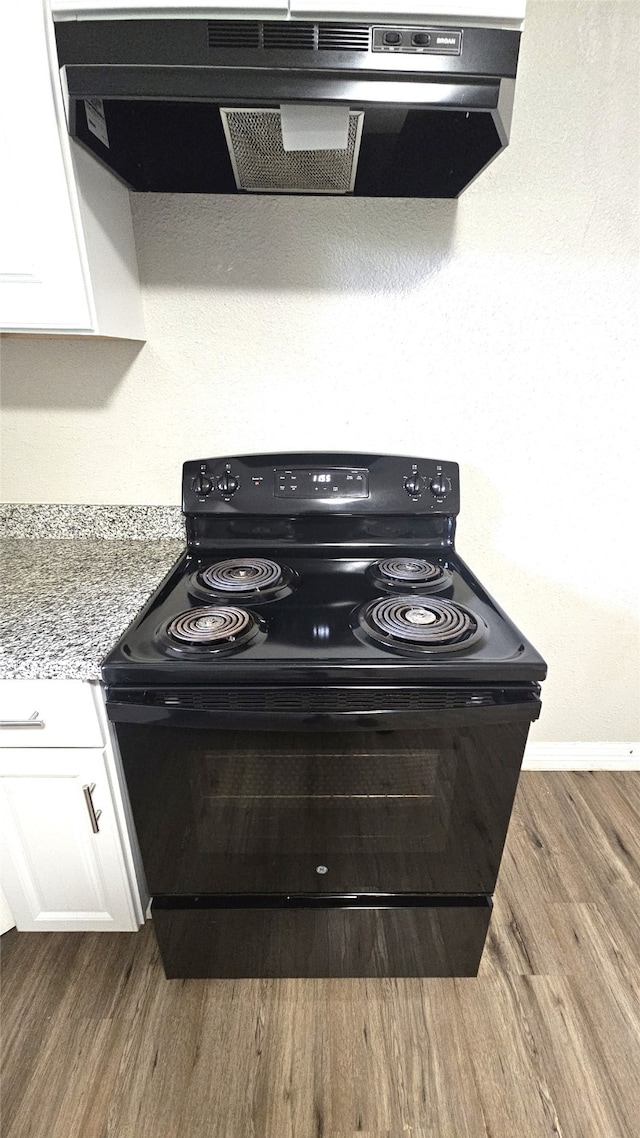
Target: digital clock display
[337, 483]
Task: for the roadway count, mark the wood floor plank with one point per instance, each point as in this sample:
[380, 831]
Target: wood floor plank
[156, 1062]
[590, 1056]
[591, 939]
[620, 821]
[545, 1042]
[562, 842]
[74, 982]
[508, 1072]
[406, 1060]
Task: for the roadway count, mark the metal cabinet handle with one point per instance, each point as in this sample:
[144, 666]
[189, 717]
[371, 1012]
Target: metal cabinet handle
[33, 721]
[93, 813]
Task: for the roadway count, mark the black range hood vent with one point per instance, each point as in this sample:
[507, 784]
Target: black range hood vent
[152, 100]
[280, 36]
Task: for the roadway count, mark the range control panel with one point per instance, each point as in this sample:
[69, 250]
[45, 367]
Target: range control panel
[310, 483]
[315, 483]
[418, 41]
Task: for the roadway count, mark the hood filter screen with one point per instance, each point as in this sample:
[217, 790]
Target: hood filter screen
[262, 165]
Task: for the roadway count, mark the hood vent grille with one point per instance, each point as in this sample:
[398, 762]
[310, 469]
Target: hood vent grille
[234, 33]
[278, 36]
[343, 37]
[289, 36]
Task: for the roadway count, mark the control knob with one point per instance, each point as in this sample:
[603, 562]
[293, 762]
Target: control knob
[413, 484]
[201, 485]
[439, 485]
[227, 483]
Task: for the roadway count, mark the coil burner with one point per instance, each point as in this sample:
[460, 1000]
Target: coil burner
[409, 573]
[246, 578]
[216, 627]
[420, 624]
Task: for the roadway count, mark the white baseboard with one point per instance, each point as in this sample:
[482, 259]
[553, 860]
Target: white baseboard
[582, 757]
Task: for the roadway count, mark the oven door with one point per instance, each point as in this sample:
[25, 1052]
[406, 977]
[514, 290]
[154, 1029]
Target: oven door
[421, 806]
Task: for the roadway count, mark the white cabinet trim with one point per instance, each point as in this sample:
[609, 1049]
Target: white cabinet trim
[6, 916]
[122, 807]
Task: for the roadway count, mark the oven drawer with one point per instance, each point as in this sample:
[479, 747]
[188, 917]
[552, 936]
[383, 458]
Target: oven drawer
[201, 938]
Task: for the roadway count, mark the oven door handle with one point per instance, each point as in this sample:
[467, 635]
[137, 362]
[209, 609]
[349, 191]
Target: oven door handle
[384, 719]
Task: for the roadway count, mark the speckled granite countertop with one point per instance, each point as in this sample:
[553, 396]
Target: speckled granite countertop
[66, 600]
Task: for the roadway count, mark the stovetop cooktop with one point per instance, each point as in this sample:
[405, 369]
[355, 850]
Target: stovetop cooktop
[293, 615]
[321, 569]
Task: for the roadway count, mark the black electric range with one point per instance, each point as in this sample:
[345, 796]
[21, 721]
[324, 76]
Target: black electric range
[322, 715]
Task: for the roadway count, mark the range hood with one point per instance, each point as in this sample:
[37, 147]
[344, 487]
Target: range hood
[410, 101]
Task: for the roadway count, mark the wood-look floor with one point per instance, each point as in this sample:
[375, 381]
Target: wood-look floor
[546, 1041]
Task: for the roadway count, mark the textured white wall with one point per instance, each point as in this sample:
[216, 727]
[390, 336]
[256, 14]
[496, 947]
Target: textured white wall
[498, 331]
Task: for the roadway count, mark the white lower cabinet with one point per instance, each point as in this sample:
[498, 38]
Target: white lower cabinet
[67, 862]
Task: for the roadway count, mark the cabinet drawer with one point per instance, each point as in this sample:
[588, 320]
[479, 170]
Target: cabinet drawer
[48, 713]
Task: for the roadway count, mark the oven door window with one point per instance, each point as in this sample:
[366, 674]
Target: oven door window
[294, 812]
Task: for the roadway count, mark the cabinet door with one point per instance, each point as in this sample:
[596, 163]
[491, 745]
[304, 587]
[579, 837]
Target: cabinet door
[503, 13]
[58, 872]
[136, 9]
[42, 278]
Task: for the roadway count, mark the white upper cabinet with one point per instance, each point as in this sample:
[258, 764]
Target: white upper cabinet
[169, 9]
[501, 13]
[67, 256]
